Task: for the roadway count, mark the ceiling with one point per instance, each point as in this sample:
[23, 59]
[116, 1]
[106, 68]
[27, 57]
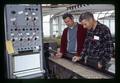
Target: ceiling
[59, 9]
[51, 9]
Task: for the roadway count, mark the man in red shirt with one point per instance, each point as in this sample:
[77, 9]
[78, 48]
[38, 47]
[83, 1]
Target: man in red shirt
[72, 39]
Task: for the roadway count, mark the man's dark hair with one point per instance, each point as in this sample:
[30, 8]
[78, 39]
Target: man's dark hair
[86, 15]
[67, 15]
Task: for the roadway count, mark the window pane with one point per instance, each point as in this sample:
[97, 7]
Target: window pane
[46, 29]
[106, 22]
[112, 27]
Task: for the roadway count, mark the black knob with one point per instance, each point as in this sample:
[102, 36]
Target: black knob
[34, 19]
[29, 8]
[30, 29]
[36, 9]
[13, 39]
[23, 29]
[37, 28]
[28, 39]
[21, 39]
[15, 29]
[27, 18]
[35, 38]
[13, 12]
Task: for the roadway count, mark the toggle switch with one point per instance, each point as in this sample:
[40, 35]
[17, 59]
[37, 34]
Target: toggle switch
[33, 13]
[26, 13]
[27, 33]
[12, 34]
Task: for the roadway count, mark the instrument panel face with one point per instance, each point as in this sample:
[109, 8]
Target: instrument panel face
[23, 27]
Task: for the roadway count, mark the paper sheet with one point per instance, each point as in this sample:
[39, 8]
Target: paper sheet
[9, 47]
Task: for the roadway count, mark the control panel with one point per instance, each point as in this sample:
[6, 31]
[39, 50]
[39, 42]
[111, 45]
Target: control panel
[23, 31]
[23, 24]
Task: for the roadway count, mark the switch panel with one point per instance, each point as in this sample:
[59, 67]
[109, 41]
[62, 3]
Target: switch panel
[23, 24]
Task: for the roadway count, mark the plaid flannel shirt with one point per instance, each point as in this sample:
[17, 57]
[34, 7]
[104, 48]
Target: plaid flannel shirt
[99, 43]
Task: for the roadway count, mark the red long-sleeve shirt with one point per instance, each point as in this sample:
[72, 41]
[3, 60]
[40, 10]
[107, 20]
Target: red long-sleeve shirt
[81, 34]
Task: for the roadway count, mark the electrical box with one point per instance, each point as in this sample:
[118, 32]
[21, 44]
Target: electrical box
[23, 37]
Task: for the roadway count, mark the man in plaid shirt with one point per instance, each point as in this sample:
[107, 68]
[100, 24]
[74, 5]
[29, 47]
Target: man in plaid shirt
[98, 42]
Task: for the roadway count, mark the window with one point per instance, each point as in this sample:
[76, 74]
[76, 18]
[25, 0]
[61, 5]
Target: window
[46, 26]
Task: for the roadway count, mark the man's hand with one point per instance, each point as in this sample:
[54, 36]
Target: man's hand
[58, 55]
[75, 58]
[99, 65]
